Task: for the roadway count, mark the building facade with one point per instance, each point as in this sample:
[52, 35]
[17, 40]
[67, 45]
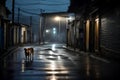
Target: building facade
[97, 26]
[11, 34]
[4, 12]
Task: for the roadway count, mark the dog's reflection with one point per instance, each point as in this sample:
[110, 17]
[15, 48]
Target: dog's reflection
[28, 64]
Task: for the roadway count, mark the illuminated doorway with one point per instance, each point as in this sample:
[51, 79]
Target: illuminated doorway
[96, 43]
[87, 35]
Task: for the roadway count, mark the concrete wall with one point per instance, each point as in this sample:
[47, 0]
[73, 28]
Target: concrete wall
[110, 32]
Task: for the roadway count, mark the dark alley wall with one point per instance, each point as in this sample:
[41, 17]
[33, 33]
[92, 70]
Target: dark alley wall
[110, 30]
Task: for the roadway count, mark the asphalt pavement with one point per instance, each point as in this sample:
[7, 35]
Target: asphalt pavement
[55, 62]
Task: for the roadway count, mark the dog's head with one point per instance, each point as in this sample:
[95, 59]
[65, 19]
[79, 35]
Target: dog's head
[26, 50]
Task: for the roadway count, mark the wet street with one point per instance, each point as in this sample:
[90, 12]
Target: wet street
[53, 62]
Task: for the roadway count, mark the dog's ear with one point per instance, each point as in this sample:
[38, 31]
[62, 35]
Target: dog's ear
[24, 48]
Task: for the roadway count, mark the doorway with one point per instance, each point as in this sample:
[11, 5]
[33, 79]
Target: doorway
[96, 43]
[87, 34]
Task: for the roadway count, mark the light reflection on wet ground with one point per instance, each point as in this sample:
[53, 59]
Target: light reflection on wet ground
[56, 64]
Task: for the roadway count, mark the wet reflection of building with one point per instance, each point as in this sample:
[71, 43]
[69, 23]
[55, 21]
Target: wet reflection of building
[97, 72]
[88, 67]
[92, 69]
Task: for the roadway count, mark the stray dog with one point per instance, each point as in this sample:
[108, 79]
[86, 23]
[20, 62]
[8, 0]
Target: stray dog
[29, 53]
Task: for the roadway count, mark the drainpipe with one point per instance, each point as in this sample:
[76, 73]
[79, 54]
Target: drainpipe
[75, 33]
[30, 29]
[13, 7]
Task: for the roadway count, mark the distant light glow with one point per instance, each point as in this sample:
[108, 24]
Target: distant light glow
[70, 18]
[47, 31]
[54, 30]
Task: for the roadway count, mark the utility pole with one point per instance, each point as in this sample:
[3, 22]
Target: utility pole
[18, 14]
[44, 28]
[18, 23]
[75, 41]
[40, 28]
[67, 29]
[12, 29]
[13, 9]
[30, 29]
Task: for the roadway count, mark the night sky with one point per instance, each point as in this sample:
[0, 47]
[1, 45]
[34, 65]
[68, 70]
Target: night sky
[32, 8]
[36, 5]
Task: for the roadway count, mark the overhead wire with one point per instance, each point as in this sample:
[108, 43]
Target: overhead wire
[29, 12]
[40, 3]
[46, 9]
[25, 10]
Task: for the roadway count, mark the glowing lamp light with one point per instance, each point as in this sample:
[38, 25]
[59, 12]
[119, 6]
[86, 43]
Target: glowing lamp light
[57, 18]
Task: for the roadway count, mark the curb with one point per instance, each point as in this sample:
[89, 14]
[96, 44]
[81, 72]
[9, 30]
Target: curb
[8, 52]
[87, 53]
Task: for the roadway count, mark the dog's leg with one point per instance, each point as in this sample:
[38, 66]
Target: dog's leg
[31, 55]
[26, 56]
